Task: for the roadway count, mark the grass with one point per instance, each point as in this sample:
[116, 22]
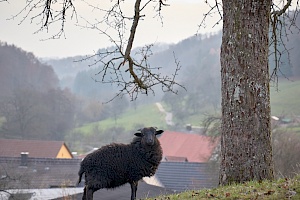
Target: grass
[145, 115]
[266, 190]
[2, 120]
[293, 129]
[285, 99]
[97, 134]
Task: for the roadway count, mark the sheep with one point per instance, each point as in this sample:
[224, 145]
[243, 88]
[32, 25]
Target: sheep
[117, 164]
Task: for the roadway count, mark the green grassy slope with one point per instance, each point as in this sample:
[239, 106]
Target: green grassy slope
[145, 115]
[271, 190]
[286, 101]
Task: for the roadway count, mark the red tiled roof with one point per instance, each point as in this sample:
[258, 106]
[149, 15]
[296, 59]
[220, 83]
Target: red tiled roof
[35, 148]
[196, 148]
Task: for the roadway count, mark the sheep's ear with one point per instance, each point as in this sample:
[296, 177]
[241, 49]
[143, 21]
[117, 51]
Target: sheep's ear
[159, 132]
[138, 134]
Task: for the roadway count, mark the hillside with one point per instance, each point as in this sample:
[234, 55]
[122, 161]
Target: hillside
[265, 190]
[29, 84]
[285, 99]
[198, 57]
[20, 69]
[83, 77]
[120, 129]
[32, 105]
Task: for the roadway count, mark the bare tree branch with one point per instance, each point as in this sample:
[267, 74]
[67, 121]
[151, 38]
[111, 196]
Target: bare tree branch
[46, 13]
[216, 7]
[116, 63]
[281, 21]
[136, 19]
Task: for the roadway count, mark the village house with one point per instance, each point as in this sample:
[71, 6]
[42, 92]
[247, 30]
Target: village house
[34, 148]
[186, 162]
[190, 147]
[41, 170]
[48, 170]
[30, 167]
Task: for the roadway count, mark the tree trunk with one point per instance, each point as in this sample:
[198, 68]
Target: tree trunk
[246, 151]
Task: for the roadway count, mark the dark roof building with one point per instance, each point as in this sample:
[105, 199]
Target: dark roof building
[185, 164]
[48, 173]
[186, 167]
[181, 176]
[34, 148]
[37, 173]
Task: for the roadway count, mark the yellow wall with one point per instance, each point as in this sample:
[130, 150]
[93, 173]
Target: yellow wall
[64, 153]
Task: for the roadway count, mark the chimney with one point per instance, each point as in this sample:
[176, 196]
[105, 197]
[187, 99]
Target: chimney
[188, 127]
[24, 158]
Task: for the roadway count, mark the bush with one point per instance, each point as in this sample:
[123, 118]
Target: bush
[286, 154]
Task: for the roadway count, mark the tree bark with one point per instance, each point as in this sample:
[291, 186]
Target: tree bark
[246, 151]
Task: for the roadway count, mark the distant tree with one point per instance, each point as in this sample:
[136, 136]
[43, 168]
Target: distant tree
[286, 145]
[30, 114]
[32, 106]
[201, 80]
[118, 106]
[292, 44]
[19, 112]
[85, 85]
[93, 110]
[117, 134]
[59, 113]
[20, 69]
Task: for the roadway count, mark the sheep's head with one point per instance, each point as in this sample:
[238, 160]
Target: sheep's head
[148, 135]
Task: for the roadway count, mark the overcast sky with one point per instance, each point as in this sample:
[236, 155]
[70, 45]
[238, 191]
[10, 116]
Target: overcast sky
[180, 20]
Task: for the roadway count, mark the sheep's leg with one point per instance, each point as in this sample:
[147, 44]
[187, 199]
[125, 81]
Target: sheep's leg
[84, 193]
[134, 185]
[87, 193]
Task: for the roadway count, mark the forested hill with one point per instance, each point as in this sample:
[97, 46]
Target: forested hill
[32, 105]
[20, 69]
[198, 56]
[199, 53]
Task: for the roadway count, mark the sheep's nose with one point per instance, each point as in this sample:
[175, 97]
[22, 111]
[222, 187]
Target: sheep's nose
[150, 141]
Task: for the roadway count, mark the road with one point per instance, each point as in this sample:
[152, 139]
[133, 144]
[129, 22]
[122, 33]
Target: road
[169, 115]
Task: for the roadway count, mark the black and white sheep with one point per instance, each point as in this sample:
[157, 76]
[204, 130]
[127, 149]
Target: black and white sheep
[116, 164]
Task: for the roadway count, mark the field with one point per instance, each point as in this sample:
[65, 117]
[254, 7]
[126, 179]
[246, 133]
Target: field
[285, 99]
[145, 115]
[266, 190]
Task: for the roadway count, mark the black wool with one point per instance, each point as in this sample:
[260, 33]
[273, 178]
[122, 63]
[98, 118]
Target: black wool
[116, 164]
